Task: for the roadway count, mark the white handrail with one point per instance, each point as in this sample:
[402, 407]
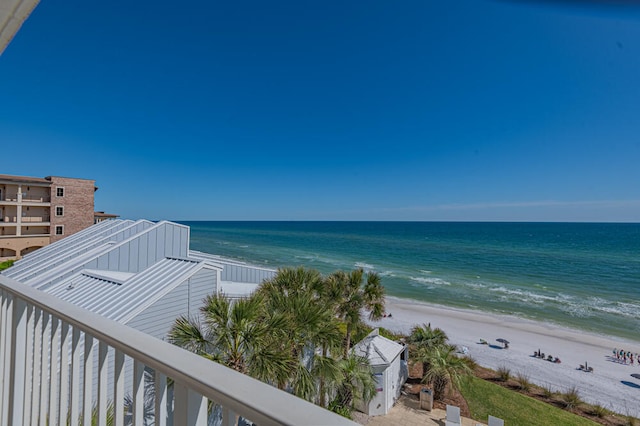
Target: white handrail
[243, 395]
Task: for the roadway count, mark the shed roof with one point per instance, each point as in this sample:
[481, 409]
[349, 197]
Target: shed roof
[378, 349]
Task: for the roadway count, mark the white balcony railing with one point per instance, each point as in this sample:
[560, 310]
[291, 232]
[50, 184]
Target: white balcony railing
[47, 352]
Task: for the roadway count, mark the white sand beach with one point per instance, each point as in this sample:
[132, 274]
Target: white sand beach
[609, 385]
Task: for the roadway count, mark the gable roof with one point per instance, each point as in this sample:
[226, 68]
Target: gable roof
[118, 268]
[378, 349]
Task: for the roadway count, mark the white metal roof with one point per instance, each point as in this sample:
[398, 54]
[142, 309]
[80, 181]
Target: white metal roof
[214, 258]
[378, 349]
[105, 293]
[79, 268]
[63, 257]
[73, 246]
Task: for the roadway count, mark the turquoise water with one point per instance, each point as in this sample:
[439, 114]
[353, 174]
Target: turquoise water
[584, 276]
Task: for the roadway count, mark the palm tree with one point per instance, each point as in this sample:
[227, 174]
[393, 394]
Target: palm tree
[445, 368]
[356, 382]
[352, 297]
[423, 339]
[294, 294]
[290, 281]
[241, 335]
[424, 335]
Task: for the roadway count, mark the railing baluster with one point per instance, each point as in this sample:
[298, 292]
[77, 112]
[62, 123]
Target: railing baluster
[45, 369]
[29, 360]
[190, 407]
[118, 388]
[37, 367]
[4, 351]
[40, 372]
[103, 371]
[74, 412]
[138, 394]
[161, 399]
[53, 368]
[18, 361]
[228, 417]
[65, 339]
[87, 403]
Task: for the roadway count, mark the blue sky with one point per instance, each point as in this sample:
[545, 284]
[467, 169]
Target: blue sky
[416, 110]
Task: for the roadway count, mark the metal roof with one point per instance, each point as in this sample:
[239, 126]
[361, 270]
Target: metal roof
[121, 300]
[378, 349]
[43, 260]
[64, 261]
[69, 268]
[225, 261]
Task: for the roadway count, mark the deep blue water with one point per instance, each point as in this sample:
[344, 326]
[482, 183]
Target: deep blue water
[580, 275]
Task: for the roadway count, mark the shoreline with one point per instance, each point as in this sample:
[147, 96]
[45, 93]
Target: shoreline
[609, 385]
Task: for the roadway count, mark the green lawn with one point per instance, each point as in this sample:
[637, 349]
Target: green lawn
[5, 265]
[486, 398]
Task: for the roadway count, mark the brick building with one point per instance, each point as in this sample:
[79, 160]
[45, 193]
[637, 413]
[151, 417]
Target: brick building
[37, 211]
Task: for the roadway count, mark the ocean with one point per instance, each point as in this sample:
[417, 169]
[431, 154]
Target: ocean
[579, 275]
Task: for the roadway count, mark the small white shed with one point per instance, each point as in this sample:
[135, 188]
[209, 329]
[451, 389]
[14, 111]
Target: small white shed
[389, 362]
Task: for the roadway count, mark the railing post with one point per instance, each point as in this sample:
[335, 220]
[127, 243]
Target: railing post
[18, 363]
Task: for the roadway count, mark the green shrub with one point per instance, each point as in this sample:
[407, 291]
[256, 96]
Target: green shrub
[548, 392]
[504, 374]
[571, 398]
[472, 363]
[599, 411]
[523, 382]
[6, 264]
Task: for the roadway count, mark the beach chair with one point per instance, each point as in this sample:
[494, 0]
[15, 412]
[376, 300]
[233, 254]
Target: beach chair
[453, 416]
[495, 421]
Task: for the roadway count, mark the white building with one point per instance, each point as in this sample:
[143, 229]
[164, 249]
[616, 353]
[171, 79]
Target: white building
[138, 273]
[389, 362]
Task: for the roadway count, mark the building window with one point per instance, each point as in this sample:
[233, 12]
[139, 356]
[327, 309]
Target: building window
[60, 230]
[60, 192]
[59, 211]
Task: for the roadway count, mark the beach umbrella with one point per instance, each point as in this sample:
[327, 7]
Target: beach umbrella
[636, 376]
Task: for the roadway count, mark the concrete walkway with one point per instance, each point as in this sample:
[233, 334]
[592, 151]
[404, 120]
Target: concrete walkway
[406, 413]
